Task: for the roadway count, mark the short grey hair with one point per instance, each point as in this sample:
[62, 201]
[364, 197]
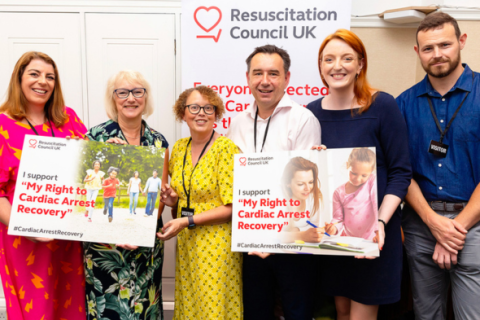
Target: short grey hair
[130, 76]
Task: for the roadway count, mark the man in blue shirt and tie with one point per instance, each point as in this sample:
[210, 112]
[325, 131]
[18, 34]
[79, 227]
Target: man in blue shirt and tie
[442, 213]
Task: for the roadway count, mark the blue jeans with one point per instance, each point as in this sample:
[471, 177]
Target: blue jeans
[109, 204]
[133, 201]
[151, 199]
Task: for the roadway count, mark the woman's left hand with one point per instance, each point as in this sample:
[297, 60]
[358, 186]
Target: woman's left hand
[127, 246]
[116, 141]
[172, 228]
[74, 137]
[379, 238]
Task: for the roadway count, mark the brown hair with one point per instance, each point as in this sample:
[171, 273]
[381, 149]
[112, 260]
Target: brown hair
[271, 49]
[207, 93]
[362, 155]
[361, 89]
[302, 164]
[437, 20]
[16, 101]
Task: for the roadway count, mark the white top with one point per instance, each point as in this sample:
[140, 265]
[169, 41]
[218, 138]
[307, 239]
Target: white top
[134, 184]
[292, 127]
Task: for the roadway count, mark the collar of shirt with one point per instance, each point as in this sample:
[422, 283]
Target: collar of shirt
[463, 83]
[285, 102]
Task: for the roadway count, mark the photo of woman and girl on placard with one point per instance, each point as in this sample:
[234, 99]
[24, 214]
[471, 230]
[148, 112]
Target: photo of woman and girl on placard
[353, 202]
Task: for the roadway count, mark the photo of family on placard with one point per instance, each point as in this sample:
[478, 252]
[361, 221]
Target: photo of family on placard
[123, 181]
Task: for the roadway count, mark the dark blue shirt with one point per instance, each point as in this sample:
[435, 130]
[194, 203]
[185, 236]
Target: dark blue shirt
[454, 177]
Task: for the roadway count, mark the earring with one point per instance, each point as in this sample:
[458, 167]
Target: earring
[356, 77]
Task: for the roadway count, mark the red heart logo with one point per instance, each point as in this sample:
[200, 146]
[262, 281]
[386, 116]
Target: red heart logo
[207, 9]
[32, 141]
[243, 160]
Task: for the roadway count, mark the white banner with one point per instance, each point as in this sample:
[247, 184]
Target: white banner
[283, 199]
[219, 35]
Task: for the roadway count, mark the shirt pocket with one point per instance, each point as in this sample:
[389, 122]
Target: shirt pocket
[469, 128]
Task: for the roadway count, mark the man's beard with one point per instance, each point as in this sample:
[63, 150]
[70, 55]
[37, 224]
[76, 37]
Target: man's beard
[452, 65]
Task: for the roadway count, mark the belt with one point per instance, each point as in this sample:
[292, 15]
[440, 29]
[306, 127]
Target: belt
[447, 206]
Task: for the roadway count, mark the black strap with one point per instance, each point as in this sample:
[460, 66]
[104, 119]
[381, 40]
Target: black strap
[183, 170]
[33, 128]
[255, 132]
[444, 132]
[141, 134]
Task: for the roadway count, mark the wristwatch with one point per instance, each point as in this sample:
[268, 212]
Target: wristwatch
[191, 224]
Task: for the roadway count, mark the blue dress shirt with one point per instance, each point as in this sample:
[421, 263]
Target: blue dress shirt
[453, 178]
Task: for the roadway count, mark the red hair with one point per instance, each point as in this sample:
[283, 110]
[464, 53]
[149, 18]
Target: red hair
[361, 89]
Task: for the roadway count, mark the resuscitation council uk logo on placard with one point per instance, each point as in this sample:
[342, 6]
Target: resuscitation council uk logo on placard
[316, 202]
[87, 191]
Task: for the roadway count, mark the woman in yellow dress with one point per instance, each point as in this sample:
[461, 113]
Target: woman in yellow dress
[208, 277]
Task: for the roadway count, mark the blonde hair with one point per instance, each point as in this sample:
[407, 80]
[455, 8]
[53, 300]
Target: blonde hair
[130, 76]
[16, 101]
[362, 155]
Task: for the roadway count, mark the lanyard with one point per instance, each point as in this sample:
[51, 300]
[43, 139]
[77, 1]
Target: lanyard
[255, 132]
[444, 132]
[191, 175]
[33, 128]
[141, 135]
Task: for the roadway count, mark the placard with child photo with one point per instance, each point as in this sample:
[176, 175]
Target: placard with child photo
[317, 202]
[87, 191]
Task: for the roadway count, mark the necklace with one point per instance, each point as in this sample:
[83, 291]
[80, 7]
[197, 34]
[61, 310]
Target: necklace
[34, 123]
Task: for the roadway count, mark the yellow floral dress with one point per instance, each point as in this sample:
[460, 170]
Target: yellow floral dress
[208, 276]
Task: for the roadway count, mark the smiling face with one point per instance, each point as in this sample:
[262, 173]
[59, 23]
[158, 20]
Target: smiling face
[130, 108]
[38, 83]
[302, 184]
[359, 172]
[113, 174]
[96, 166]
[439, 50]
[340, 65]
[136, 175]
[267, 79]
[200, 122]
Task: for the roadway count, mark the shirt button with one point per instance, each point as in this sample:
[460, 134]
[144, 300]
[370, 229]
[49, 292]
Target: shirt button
[440, 188]
[441, 121]
[440, 165]
[443, 99]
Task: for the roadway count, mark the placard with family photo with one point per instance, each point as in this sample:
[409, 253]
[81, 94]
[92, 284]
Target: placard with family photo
[317, 202]
[87, 191]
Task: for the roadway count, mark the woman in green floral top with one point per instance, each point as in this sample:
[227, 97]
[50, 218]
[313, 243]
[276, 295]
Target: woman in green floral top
[125, 281]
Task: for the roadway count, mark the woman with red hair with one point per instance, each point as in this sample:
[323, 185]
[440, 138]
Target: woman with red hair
[354, 114]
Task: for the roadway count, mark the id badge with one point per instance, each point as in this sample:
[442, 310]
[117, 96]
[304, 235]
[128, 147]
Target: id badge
[186, 212]
[438, 149]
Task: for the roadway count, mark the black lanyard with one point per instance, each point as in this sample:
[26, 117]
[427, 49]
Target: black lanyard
[141, 135]
[191, 175]
[255, 132]
[444, 132]
[33, 128]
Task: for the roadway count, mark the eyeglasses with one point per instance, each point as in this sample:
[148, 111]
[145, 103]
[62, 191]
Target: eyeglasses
[124, 93]
[195, 108]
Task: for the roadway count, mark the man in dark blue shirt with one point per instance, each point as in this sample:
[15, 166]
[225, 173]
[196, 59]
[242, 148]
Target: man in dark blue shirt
[441, 217]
